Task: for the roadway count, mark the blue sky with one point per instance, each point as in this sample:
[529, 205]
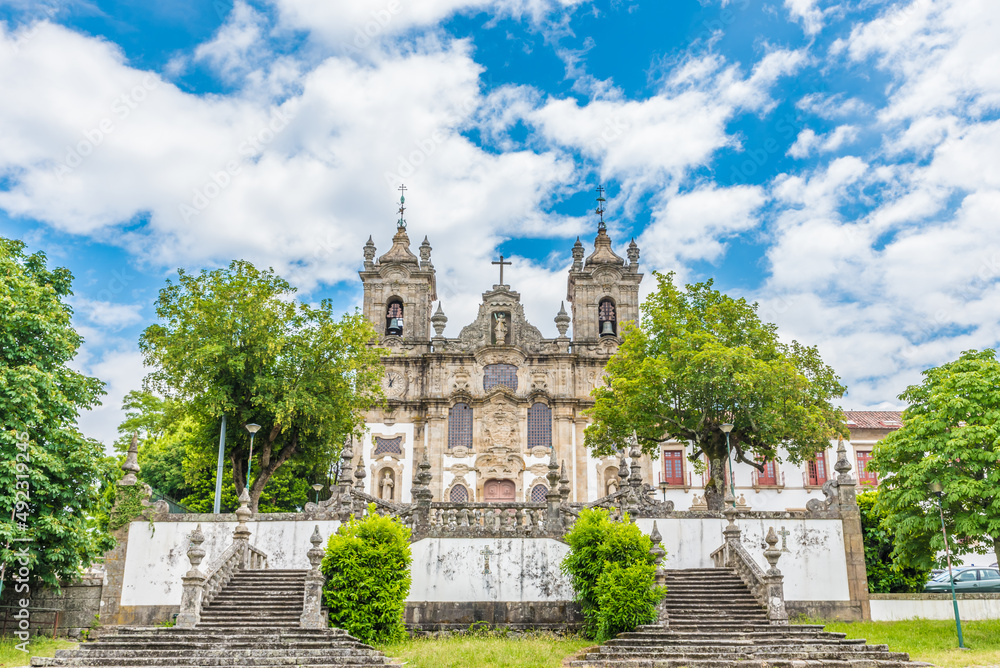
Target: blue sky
[835, 161]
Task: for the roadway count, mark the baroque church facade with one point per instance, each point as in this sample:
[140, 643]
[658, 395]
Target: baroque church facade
[491, 406]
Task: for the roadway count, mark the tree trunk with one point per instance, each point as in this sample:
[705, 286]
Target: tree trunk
[715, 490]
[996, 548]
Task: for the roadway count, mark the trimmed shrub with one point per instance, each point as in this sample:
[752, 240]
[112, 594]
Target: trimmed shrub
[626, 598]
[596, 543]
[367, 569]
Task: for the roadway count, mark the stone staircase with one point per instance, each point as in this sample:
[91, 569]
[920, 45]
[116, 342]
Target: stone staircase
[715, 621]
[253, 621]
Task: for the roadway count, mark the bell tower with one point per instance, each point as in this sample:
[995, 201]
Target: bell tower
[399, 289]
[603, 290]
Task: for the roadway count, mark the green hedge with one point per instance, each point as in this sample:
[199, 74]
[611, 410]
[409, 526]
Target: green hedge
[612, 572]
[367, 569]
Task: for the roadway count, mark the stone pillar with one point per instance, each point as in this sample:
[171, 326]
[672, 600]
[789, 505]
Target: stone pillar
[422, 494]
[194, 583]
[854, 547]
[552, 497]
[774, 582]
[241, 535]
[662, 614]
[312, 602]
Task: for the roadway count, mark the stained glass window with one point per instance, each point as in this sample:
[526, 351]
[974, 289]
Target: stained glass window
[500, 374]
[538, 493]
[459, 494]
[539, 426]
[460, 426]
[388, 446]
[673, 467]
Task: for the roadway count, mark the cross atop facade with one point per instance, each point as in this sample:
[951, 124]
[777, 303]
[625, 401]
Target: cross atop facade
[401, 223]
[487, 553]
[502, 263]
[784, 533]
[600, 207]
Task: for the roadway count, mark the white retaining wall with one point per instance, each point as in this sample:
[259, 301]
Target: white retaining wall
[894, 607]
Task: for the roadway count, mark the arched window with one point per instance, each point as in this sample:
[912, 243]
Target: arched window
[499, 374]
[539, 426]
[460, 426]
[607, 317]
[538, 493]
[394, 317]
[459, 494]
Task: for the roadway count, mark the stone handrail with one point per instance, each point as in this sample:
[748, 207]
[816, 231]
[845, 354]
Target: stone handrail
[766, 586]
[222, 570]
[256, 558]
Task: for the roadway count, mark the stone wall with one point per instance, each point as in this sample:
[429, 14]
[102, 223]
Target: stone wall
[78, 604]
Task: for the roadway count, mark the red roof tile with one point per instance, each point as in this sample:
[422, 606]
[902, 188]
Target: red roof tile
[874, 419]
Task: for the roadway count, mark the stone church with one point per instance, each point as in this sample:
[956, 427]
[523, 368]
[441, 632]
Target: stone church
[491, 405]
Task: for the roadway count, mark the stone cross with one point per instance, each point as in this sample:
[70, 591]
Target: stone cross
[487, 553]
[502, 263]
[784, 533]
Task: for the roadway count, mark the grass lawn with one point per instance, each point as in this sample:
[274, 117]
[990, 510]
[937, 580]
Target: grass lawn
[486, 651]
[932, 641]
[39, 646]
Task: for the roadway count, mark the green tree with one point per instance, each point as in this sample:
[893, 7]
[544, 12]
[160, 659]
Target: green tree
[950, 435]
[50, 474]
[699, 359]
[610, 560]
[885, 574]
[367, 566]
[234, 342]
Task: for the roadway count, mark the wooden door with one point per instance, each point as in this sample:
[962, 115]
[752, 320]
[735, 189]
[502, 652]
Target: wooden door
[499, 490]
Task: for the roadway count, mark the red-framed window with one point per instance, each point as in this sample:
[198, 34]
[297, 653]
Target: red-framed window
[816, 470]
[865, 476]
[673, 467]
[769, 476]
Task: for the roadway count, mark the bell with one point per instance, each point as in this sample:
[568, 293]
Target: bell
[396, 326]
[607, 329]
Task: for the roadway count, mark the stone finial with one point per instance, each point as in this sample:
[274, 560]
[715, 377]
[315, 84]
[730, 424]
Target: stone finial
[360, 473]
[425, 255]
[562, 320]
[439, 320]
[346, 464]
[633, 255]
[772, 553]
[656, 550]
[564, 484]
[843, 465]
[369, 254]
[622, 472]
[422, 481]
[635, 477]
[243, 513]
[578, 255]
[195, 552]
[315, 553]
[553, 474]
[131, 465]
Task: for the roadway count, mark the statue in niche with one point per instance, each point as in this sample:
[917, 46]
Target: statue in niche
[387, 485]
[500, 328]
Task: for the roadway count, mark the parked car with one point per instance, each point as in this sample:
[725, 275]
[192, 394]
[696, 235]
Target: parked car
[967, 580]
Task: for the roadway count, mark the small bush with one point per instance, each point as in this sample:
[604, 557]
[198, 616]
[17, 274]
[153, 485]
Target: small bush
[626, 598]
[367, 569]
[596, 545]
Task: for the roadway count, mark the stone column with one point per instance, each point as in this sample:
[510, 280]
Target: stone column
[552, 497]
[194, 583]
[662, 614]
[854, 547]
[241, 535]
[774, 582]
[312, 602]
[422, 495]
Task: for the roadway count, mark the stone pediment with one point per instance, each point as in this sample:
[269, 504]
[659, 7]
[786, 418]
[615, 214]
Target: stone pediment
[400, 251]
[500, 323]
[603, 254]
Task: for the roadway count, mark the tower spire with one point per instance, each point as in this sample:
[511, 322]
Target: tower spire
[601, 227]
[401, 223]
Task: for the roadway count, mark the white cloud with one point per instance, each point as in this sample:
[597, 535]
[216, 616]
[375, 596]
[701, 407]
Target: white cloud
[804, 144]
[808, 13]
[122, 371]
[236, 47]
[107, 315]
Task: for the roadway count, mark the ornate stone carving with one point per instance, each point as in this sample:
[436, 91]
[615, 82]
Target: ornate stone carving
[500, 424]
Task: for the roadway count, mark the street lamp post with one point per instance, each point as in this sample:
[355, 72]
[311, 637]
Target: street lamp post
[253, 429]
[726, 428]
[937, 489]
[217, 507]
[316, 488]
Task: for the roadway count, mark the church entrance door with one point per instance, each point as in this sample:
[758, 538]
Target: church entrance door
[499, 490]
